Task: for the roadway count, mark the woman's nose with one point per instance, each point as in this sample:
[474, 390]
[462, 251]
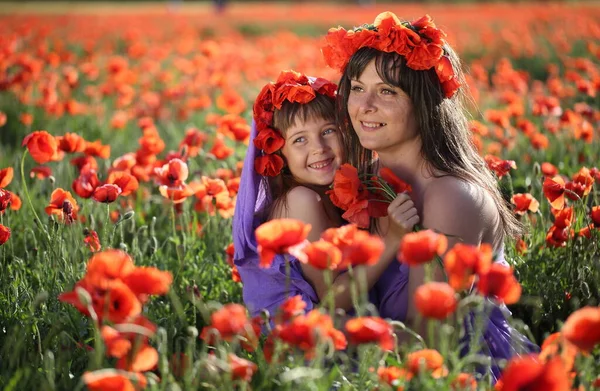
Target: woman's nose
[367, 103]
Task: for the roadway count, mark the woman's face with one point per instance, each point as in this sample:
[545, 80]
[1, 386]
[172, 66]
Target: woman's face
[381, 114]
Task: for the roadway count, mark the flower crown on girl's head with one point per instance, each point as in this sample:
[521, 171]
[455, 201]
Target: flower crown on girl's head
[295, 88]
[420, 42]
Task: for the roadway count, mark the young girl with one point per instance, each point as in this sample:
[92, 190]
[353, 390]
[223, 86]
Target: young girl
[293, 154]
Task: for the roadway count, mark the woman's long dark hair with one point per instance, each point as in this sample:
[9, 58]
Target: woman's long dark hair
[442, 123]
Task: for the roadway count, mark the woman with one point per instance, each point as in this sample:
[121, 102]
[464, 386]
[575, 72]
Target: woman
[400, 96]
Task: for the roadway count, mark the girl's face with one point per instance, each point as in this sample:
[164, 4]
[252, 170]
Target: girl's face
[381, 114]
[313, 151]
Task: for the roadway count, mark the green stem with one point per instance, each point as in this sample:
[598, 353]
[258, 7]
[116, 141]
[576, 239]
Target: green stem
[26, 190]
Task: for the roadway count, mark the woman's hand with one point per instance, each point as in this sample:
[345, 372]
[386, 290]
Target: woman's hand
[402, 216]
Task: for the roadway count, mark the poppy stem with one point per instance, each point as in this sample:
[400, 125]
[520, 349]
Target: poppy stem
[26, 190]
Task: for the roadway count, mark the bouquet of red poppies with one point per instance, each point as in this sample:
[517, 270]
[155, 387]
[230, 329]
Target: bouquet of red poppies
[364, 196]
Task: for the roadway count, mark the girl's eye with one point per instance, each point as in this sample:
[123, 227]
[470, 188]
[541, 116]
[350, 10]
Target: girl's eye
[298, 140]
[329, 131]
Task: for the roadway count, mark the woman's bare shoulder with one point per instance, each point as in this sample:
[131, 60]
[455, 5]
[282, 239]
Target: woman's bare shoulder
[456, 207]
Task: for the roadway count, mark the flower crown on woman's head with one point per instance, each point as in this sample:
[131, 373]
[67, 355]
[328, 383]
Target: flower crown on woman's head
[420, 42]
[295, 88]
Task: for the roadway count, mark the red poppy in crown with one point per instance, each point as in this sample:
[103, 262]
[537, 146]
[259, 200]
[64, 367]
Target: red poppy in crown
[420, 42]
[293, 87]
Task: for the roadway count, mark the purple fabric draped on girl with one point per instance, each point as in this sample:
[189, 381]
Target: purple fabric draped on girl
[265, 288]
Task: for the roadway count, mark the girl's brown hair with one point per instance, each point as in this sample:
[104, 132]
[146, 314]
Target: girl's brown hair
[442, 123]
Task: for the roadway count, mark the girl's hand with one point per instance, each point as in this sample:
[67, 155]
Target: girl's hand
[402, 216]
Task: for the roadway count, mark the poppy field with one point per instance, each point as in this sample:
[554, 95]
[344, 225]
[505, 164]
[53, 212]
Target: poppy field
[122, 137]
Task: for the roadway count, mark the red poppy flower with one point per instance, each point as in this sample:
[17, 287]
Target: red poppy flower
[554, 190]
[107, 266]
[241, 369]
[358, 247]
[557, 237]
[292, 307]
[85, 161]
[556, 345]
[524, 203]
[173, 173]
[393, 375]
[41, 146]
[71, 142]
[125, 181]
[563, 218]
[500, 282]
[581, 185]
[62, 204]
[426, 359]
[231, 102]
[97, 149]
[268, 165]
[87, 182]
[5, 199]
[347, 187]
[529, 373]
[595, 216]
[499, 166]
[102, 381]
[435, 300]
[234, 127]
[122, 303]
[40, 172]
[92, 241]
[4, 234]
[464, 382]
[549, 170]
[176, 194]
[231, 320]
[148, 281]
[421, 247]
[370, 330]
[2, 119]
[322, 255]
[463, 261]
[582, 328]
[302, 332]
[277, 236]
[106, 193]
[6, 176]
[220, 150]
[15, 201]
[193, 141]
[116, 344]
[269, 141]
[395, 183]
[143, 359]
